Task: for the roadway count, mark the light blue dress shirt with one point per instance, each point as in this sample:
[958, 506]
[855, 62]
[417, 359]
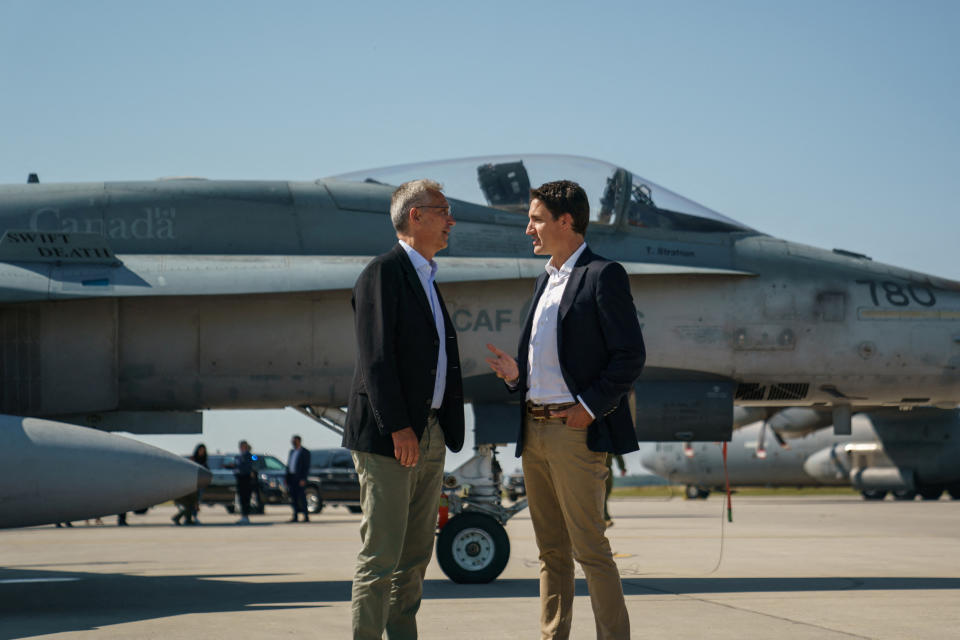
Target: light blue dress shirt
[427, 271]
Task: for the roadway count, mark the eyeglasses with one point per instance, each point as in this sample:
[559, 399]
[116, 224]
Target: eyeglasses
[446, 211]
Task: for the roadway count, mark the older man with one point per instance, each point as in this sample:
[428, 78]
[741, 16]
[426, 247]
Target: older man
[406, 404]
[580, 352]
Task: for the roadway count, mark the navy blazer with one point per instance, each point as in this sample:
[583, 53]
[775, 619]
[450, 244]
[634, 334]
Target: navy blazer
[397, 348]
[600, 347]
[303, 464]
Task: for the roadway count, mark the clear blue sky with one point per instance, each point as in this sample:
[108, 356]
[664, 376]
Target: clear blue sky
[834, 123]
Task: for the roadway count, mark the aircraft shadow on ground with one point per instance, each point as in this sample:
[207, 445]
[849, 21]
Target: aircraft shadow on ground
[85, 601]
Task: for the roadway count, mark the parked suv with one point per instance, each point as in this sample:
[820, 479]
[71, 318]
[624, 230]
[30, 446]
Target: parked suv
[271, 476]
[332, 481]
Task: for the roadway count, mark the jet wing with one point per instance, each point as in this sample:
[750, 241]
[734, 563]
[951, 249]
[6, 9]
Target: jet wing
[189, 275]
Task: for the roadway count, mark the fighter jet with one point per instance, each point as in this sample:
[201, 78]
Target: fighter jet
[129, 303]
[889, 451]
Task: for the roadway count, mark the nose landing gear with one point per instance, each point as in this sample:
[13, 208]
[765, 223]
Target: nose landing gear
[473, 546]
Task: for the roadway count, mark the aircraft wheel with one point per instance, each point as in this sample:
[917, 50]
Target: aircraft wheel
[314, 500]
[903, 494]
[874, 494]
[355, 508]
[473, 548]
[931, 493]
[692, 492]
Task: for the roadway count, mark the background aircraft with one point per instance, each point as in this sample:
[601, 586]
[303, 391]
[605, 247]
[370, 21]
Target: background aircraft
[889, 451]
[133, 305]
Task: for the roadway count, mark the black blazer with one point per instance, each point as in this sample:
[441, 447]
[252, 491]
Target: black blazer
[397, 349]
[600, 346]
[303, 464]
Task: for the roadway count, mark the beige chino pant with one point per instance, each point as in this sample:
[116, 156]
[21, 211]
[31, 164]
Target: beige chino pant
[398, 529]
[565, 490]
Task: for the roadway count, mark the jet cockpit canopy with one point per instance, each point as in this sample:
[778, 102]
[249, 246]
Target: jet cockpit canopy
[617, 196]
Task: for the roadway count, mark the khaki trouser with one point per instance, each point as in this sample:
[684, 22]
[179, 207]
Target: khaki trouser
[565, 489]
[398, 527]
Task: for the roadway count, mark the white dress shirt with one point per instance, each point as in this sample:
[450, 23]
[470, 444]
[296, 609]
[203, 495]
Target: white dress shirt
[544, 377]
[292, 461]
[427, 271]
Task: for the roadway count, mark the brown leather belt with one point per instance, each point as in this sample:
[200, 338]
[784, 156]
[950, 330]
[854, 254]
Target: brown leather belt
[546, 411]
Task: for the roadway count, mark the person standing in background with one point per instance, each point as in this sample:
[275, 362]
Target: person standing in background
[189, 505]
[200, 457]
[246, 480]
[611, 457]
[298, 467]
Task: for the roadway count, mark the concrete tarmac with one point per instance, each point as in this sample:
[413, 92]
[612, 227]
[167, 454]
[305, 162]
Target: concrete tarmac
[791, 568]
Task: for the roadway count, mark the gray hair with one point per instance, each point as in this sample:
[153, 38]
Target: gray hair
[409, 195]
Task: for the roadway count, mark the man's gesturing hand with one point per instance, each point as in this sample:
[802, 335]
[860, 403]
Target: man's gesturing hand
[503, 365]
[406, 447]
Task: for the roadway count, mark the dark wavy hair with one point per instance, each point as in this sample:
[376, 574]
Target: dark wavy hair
[565, 196]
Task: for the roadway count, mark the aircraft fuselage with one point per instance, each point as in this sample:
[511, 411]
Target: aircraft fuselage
[205, 305]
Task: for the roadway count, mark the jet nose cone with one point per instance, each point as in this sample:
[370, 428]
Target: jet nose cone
[203, 478]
